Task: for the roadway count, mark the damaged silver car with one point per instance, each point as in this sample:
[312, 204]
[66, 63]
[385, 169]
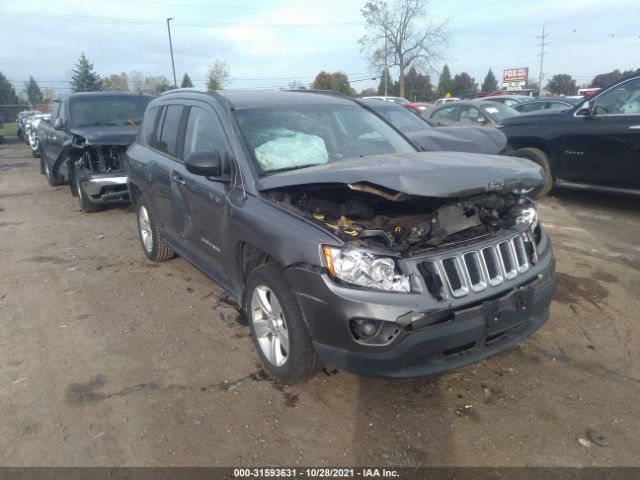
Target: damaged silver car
[84, 142]
[339, 239]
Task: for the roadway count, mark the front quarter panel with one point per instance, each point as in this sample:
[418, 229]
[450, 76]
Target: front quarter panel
[288, 238]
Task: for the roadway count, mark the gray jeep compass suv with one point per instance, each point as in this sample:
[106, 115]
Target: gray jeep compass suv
[340, 239]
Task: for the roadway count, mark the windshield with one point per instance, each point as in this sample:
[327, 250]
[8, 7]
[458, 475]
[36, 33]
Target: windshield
[107, 111]
[401, 118]
[499, 112]
[287, 138]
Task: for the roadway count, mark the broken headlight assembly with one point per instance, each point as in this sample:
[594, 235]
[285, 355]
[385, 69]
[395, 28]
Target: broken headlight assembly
[528, 216]
[364, 269]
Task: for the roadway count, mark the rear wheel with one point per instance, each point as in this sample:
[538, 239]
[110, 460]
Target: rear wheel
[538, 156]
[277, 326]
[152, 244]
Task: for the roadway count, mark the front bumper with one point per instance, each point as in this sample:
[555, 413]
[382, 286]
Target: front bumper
[106, 188]
[434, 336]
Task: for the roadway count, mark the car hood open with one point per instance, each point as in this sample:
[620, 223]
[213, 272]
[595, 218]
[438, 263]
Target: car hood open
[429, 174]
[107, 135]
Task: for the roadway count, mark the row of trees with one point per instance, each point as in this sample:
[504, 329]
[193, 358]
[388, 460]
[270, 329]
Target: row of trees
[85, 79]
[402, 34]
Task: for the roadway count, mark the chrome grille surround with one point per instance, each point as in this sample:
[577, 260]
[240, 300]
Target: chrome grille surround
[475, 270]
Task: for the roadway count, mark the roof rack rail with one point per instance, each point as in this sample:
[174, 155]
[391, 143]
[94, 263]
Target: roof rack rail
[319, 91]
[186, 89]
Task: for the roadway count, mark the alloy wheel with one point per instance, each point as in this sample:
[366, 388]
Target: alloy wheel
[144, 224]
[270, 325]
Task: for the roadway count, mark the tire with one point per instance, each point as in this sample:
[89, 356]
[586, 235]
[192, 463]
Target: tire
[53, 181]
[267, 291]
[538, 156]
[86, 205]
[35, 152]
[149, 234]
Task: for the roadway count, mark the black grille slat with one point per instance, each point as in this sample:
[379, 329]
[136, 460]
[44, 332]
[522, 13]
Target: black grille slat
[490, 262]
[505, 253]
[452, 273]
[472, 267]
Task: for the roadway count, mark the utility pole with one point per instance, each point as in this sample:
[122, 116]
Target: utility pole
[541, 55]
[173, 65]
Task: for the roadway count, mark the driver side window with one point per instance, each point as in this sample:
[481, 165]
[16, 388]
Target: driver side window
[622, 100]
[204, 133]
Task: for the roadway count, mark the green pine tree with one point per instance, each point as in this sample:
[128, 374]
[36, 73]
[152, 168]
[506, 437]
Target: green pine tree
[9, 101]
[490, 83]
[84, 78]
[445, 85]
[186, 82]
[34, 94]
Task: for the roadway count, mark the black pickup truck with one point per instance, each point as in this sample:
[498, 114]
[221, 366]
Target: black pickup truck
[85, 142]
[593, 146]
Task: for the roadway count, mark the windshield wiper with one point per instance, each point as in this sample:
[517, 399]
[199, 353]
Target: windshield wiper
[99, 124]
[286, 169]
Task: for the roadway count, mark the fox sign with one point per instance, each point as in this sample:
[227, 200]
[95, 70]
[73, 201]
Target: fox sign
[515, 75]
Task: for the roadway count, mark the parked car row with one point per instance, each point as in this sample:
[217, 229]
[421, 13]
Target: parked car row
[342, 240]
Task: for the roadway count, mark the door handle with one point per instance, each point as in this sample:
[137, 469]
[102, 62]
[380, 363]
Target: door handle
[634, 127]
[178, 179]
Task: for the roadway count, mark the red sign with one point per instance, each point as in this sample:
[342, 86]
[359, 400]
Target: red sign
[515, 75]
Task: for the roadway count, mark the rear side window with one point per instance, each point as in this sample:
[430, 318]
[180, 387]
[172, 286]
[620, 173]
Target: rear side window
[148, 126]
[168, 138]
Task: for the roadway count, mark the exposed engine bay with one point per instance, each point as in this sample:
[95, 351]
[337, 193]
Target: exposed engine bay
[374, 216]
[95, 159]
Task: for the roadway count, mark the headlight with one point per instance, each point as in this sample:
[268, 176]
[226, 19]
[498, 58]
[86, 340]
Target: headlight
[528, 216]
[361, 268]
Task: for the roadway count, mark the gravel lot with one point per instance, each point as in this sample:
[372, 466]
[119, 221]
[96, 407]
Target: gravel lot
[110, 360]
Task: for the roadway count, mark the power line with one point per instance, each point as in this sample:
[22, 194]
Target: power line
[153, 23]
[205, 5]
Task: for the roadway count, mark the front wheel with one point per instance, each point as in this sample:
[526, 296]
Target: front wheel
[277, 326]
[86, 205]
[538, 156]
[54, 180]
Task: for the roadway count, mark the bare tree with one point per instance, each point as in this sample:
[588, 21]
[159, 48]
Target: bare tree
[402, 34]
[136, 81]
[218, 75]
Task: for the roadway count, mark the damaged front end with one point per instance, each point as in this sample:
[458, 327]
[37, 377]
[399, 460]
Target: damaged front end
[382, 228]
[97, 173]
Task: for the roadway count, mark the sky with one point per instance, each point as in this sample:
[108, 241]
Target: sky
[271, 43]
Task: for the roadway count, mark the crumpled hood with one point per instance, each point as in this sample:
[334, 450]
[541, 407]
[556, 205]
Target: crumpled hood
[460, 139]
[429, 174]
[107, 135]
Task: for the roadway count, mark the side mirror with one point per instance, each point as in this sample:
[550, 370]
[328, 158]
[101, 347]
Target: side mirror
[58, 124]
[204, 163]
[481, 120]
[586, 109]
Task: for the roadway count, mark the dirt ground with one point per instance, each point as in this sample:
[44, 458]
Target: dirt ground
[107, 359]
